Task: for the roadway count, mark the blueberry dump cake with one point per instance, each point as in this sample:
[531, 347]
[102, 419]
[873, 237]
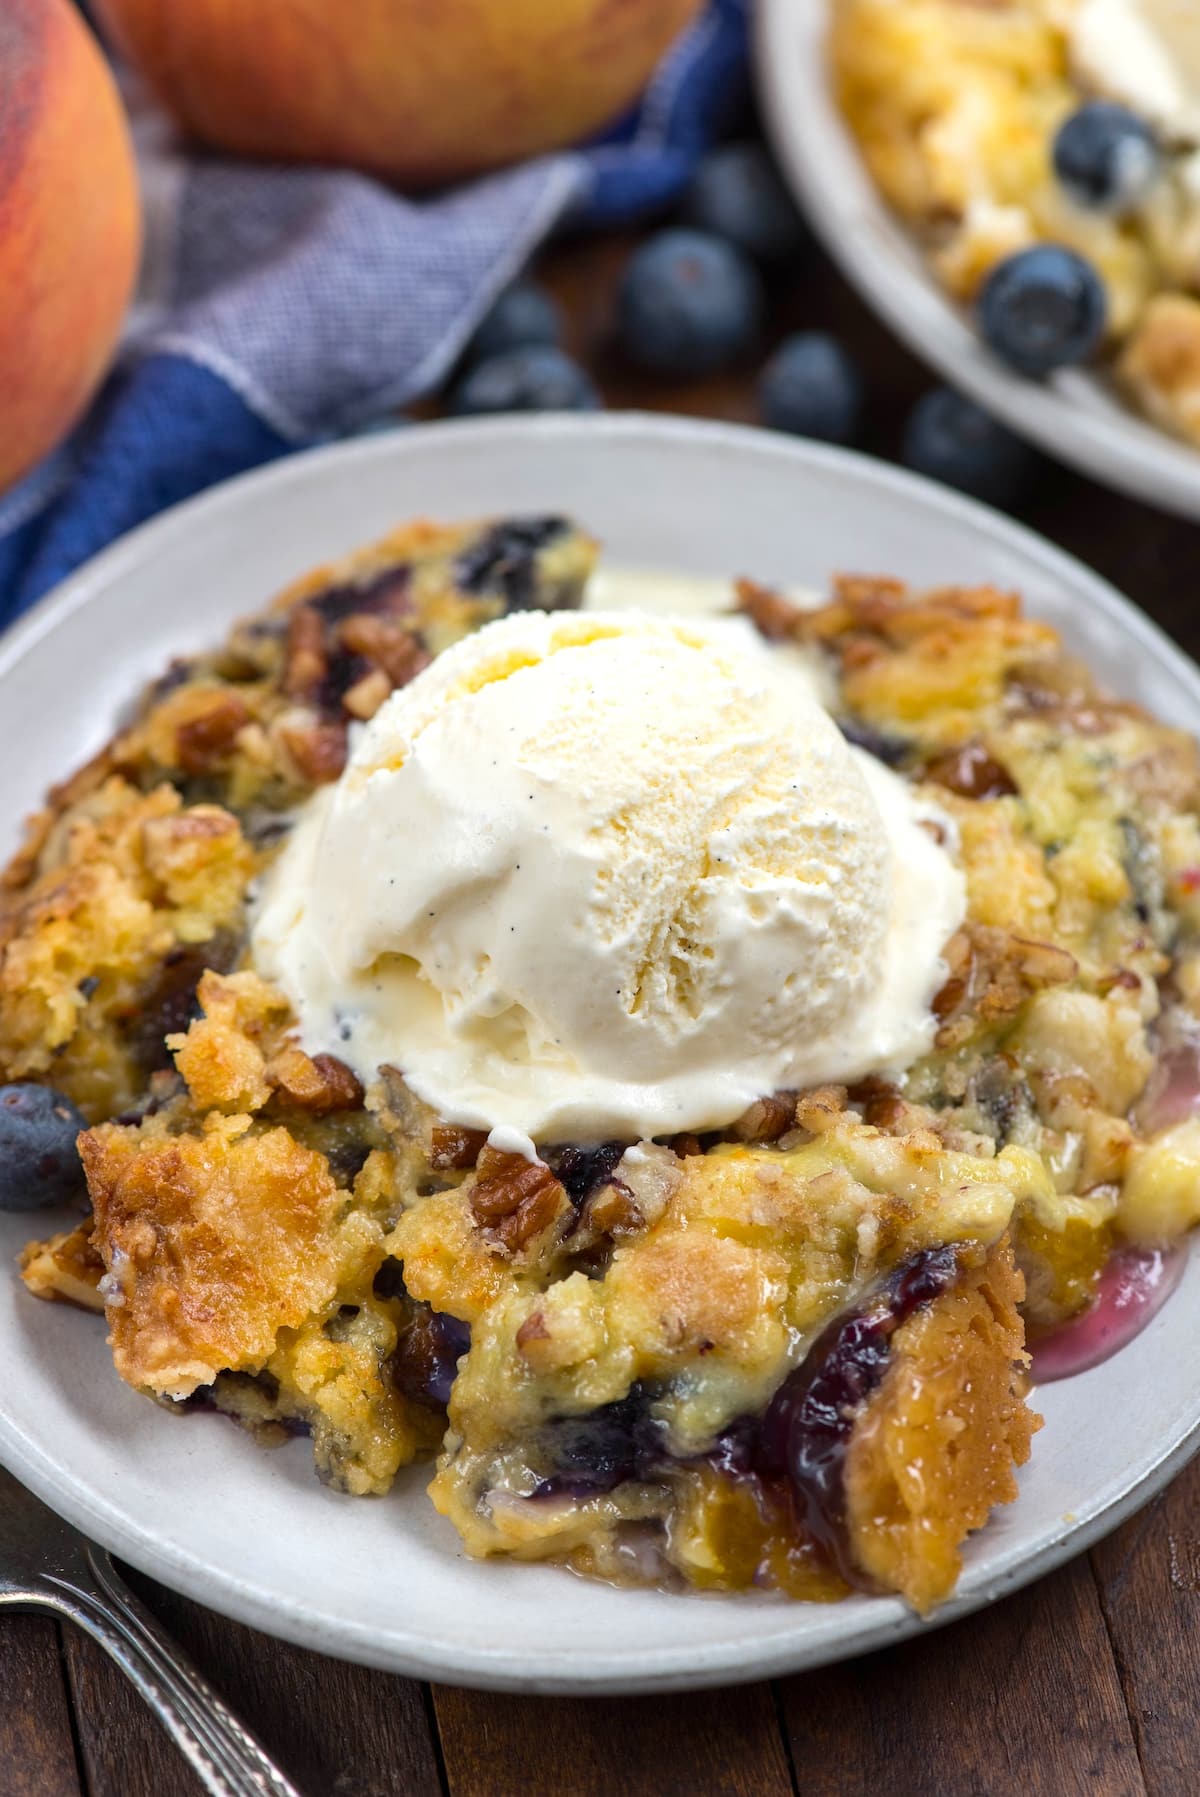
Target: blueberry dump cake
[668, 1072]
[1047, 153]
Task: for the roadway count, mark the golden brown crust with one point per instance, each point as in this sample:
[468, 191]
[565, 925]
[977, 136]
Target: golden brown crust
[935, 1449]
[213, 1244]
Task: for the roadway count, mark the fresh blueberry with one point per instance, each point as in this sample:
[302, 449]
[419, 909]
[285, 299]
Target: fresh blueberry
[1043, 308]
[39, 1163]
[737, 193]
[811, 387]
[1106, 157]
[523, 315]
[953, 440]
[537, 379]
[689, 304]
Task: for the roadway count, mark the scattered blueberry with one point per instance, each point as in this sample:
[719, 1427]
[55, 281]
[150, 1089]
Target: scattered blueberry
[39, 1163]
[537, 379]
[737, 193]
[811, 387]
[953, 440]
[523, 316]
[1106, 157]
[1043, 308]
[689, 304]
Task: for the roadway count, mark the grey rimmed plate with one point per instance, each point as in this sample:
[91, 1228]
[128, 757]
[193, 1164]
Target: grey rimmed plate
[191, 1499]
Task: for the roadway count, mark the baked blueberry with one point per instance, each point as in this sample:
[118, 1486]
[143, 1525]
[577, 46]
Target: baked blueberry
[953, 440]
[537, 379]
[524, 315]
[812, 388]
[1106, 156]
[689, 304]
[737, 193]
[1043, 308]
[39, 1163]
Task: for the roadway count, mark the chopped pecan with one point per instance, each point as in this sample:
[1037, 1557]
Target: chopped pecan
[687, 1145]
[972, 772]
[514, 1199]
[306, 659]
[817, 1110]
[772, 615]
[767, 1118]
[613, 1210]
[454, 1146]
[318, 750]
[319, 1083]
[992, 973]
[397, 652]
[533, 1329]
[203, 741]
[881, 1104]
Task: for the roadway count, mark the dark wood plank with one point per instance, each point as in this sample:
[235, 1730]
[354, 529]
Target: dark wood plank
[710, 1744]
[337, 1730]
[1024, 1696]
[1148, 1575]
[37, 1753]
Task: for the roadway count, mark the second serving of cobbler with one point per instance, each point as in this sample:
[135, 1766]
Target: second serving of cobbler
[668, 1072]
[996, 126]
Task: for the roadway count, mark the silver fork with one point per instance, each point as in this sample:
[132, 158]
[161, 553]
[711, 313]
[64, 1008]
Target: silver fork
[47, 1565]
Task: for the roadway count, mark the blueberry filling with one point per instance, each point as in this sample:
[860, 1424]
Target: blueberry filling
[581, 1170]
[343, 670]
[605, 1448]
[169, 1003]
[504, 560]
[425, 1362]
[806, 1431]
[797, 1448]
[893, 751]
[383, 594]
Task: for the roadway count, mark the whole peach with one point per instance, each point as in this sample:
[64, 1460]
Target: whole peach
[70, 225]
[418, 91]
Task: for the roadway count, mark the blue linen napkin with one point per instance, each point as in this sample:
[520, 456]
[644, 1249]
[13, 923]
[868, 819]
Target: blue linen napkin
[282, 306]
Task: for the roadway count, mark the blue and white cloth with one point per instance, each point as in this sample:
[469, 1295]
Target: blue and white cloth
[282, 306]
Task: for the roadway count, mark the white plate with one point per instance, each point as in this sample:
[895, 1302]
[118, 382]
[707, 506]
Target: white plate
[1077, 416]
[192, 1500]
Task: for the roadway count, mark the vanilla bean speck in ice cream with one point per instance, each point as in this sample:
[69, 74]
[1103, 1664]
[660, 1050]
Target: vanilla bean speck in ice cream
[598, 875]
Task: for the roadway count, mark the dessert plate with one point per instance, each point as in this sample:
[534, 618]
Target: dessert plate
[193, 1501]
[1077, 416]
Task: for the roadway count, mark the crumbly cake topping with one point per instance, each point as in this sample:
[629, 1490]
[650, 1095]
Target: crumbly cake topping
[596, 1338]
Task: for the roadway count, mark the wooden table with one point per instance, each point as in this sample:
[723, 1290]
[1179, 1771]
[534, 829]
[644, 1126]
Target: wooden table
[1087, 1683]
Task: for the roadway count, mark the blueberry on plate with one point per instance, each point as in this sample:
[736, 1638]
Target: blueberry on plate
[812, 388]
[1043, 308]
[537, 379]
[953, 440]
[689, 304]
[39, 1163]
[523, 315]
[1106, 157]
[737, 193]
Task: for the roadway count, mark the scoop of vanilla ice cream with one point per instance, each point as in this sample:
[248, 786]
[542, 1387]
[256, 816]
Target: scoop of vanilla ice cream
[609, 875]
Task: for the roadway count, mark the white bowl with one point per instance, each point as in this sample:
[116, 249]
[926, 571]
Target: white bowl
[191, 1499]
[1076, 415]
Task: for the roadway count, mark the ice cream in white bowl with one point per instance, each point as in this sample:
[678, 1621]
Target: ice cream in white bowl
[611, 875]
